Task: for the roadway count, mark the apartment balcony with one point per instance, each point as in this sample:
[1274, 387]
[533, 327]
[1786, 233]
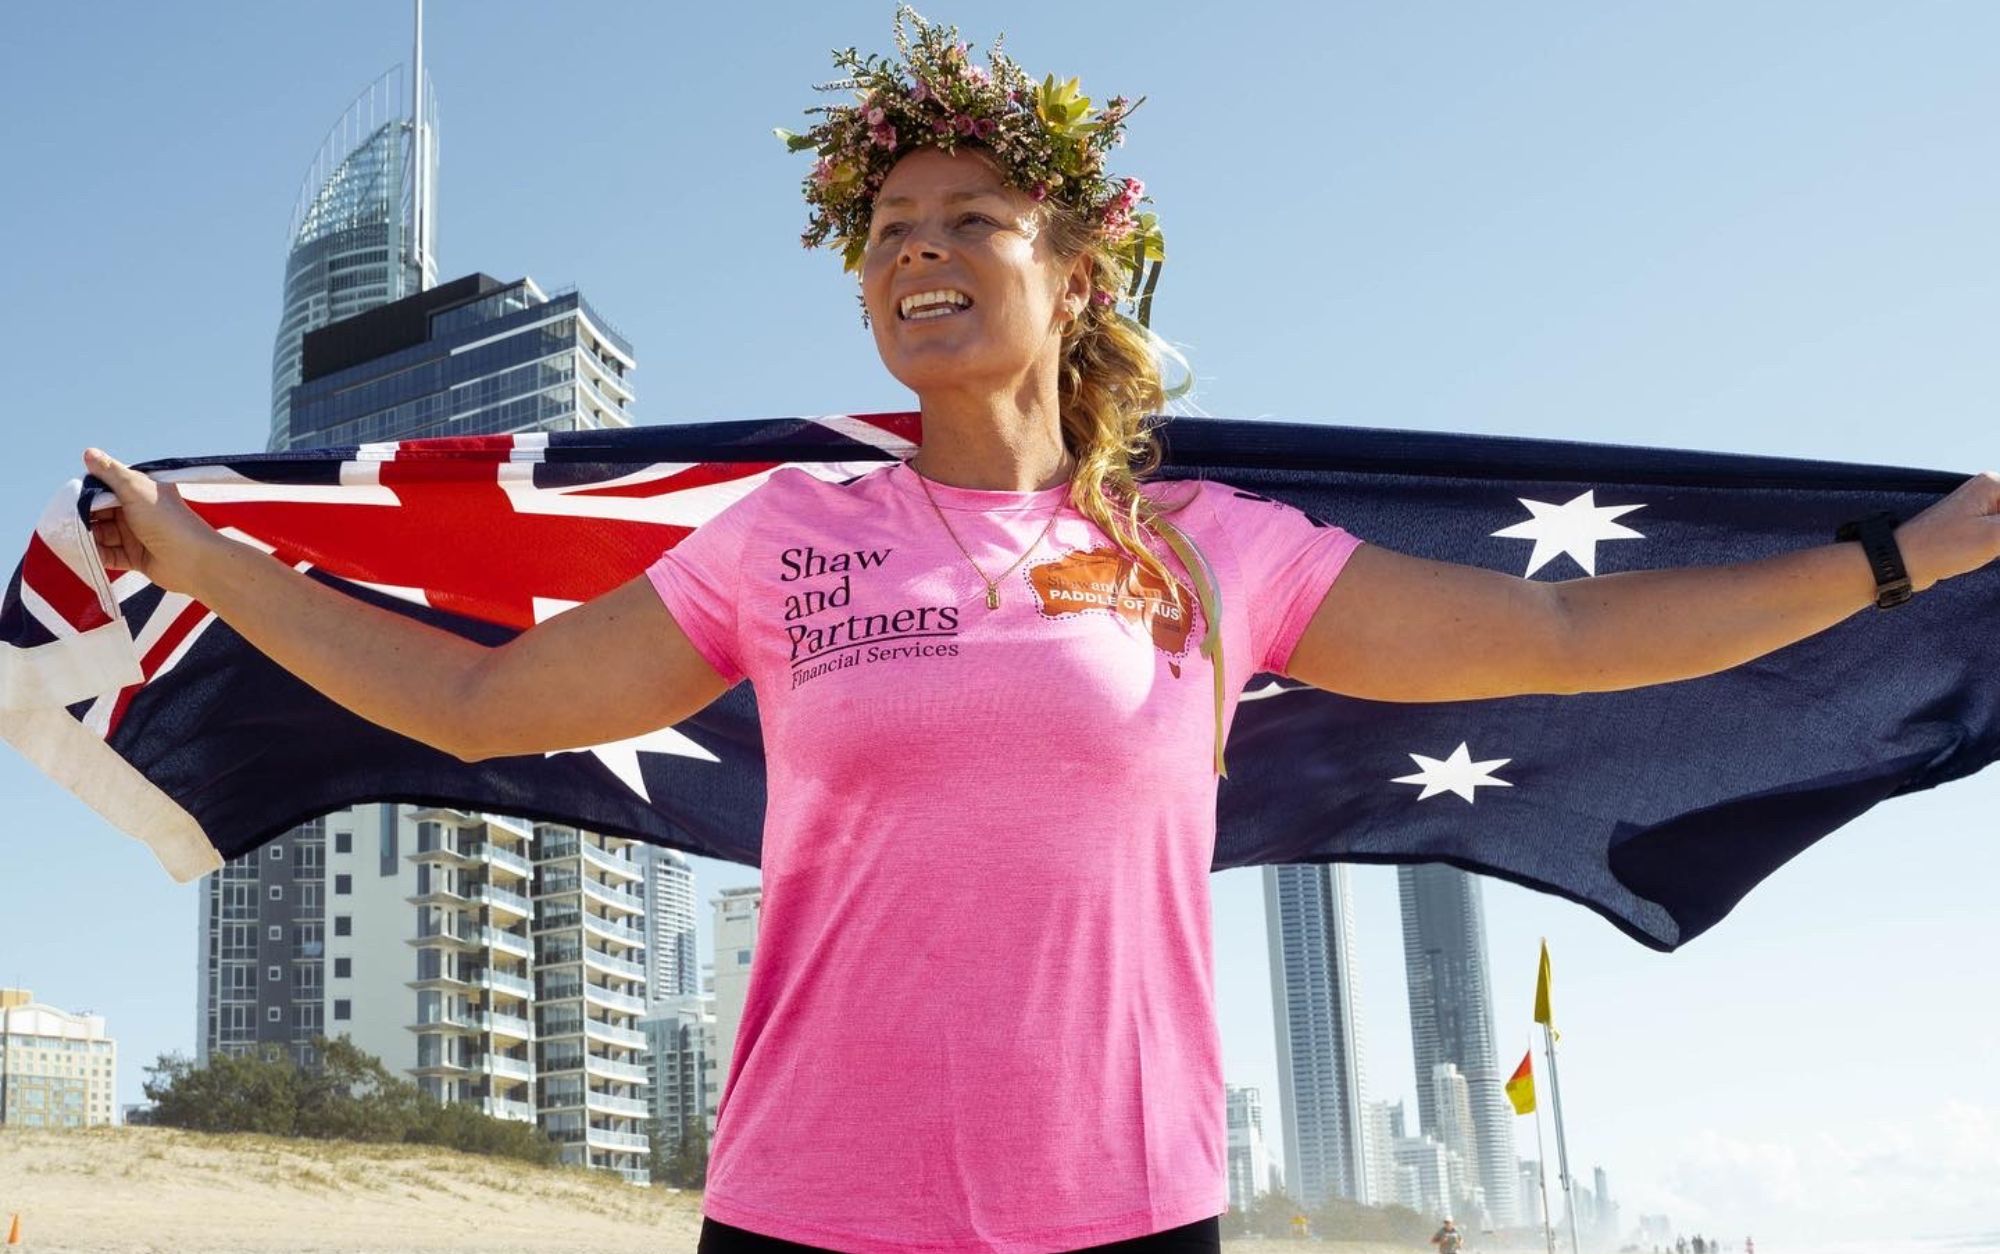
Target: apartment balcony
[560, 1099]
[502, 1065]
[444, 981]
[613, 1035]
[552, 1063]
[500, 899]
[628, 1106]
[615, 965]
[618, 932]
[440, 895]
[605, 1138]
[448, 1022]
[444, 853]
[609, 1069]
[504, 1108]
[613, 898]
[519, 827]
[445, 1069]
[500, 981]
[464, 938]
[612, 864]
[613, 999]
[507, 1025]
[507, 942]
[641, 1176]
[489, 854]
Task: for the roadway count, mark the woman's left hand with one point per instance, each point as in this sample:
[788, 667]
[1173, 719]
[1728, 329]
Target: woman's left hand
[1958, 534]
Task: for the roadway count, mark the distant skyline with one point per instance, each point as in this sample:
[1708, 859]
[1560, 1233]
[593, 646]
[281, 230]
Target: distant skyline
[1763, 230]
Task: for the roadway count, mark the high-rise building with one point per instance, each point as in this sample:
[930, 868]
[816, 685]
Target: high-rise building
[493, 960]
[1309, 921]
[1532, 1212]
[1607, 1210]
[363, 226]
[1249, 1160]
[1451, 1019]
[672, 963]
[1427, 1186]
[1381, 1125]
[737, 914]
[57, 1069]
[679, 1067]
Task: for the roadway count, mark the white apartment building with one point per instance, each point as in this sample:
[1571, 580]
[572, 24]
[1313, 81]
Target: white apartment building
[1249, 1159]
[737, 912]
[672, 966]
[57, 1069]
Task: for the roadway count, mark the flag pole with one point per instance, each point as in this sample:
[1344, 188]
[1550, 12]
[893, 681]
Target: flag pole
[1546, 1017]
[1542, 1169]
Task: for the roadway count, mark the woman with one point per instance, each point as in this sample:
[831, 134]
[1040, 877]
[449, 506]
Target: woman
[981, 1015]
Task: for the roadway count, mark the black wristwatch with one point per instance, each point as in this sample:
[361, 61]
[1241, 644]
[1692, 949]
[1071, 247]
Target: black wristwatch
[1877, 533]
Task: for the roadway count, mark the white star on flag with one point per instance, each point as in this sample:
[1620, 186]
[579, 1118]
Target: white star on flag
[622, 756]
[1457, 773]
[1574, 527]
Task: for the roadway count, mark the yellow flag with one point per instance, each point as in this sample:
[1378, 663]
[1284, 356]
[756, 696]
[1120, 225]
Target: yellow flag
[1543, 1015]
[1521, 1087]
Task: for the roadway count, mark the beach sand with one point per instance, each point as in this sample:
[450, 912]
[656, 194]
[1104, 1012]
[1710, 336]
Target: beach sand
[143, 1190]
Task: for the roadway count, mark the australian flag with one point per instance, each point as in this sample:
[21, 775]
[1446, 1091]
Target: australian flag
[1657, 807]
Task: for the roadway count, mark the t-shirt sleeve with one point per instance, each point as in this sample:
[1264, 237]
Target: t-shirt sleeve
[700, 581]
[1286, 561]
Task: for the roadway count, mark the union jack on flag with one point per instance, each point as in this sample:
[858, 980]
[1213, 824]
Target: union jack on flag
[1657, 807]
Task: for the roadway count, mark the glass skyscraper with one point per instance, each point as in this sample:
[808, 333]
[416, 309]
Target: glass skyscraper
[473, 357]
[362, 229]
[1309, 920]
[1451, 1020]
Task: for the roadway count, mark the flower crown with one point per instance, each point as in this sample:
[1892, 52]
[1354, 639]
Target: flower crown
[1045, 138]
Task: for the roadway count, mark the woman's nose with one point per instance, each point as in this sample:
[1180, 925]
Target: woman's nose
[917, 245]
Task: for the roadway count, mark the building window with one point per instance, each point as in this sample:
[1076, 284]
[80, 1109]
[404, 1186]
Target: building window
[277, 973]
[343, 885]
[343, 968]
[343, 842]
[277, 892]
[343, 925]
[277, 853]
[274, 1014]
[342, 1008]
[277, 931]
[743, 956]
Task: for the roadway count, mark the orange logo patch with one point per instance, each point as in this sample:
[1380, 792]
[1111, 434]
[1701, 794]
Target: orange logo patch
[1108, 579]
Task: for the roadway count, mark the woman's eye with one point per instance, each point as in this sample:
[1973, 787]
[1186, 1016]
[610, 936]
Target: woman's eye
[888, 230]
[974, 217]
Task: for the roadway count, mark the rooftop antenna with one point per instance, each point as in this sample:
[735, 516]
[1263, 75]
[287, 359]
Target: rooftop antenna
[420, 151]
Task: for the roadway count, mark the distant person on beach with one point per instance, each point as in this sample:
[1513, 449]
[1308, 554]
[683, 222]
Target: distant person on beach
[982, 1014]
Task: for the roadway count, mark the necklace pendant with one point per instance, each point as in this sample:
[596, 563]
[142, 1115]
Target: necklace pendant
[992, 597]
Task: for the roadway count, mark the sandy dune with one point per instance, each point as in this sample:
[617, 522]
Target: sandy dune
[158, 1190]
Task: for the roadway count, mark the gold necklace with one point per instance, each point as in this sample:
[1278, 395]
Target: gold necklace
[992, 585]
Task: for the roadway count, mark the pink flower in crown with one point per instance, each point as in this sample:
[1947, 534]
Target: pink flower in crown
[942, 126]
[1039, 191]
[884, 136]
[920, 92]
[876, 116]
[976, 73]
[822, 171]
[964, 123]
[1129, 194]
[983, 128]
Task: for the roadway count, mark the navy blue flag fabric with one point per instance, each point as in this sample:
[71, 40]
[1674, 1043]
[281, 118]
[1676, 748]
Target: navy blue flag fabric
[1657, 807]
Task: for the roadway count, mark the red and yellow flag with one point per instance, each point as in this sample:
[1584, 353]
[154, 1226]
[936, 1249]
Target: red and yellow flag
[1521, 1086]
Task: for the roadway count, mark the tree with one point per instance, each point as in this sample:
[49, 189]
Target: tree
[253, 1092]
[687, 1167]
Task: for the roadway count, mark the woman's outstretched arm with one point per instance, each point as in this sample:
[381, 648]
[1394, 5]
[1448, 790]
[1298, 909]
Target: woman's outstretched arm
[1400, 628]
[615, 667]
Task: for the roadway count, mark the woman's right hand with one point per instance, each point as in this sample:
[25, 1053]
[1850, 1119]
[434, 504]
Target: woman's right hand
[150, 530]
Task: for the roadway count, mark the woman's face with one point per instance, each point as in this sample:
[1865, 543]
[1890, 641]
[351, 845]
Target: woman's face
[948, 222]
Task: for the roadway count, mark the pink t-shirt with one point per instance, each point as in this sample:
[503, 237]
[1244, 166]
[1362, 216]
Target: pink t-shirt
[981, 1010]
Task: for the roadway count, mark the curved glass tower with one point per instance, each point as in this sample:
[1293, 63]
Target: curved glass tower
[362, 231]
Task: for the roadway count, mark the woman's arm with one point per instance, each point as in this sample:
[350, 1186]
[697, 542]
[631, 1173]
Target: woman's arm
[1401, 628]
[615, 667]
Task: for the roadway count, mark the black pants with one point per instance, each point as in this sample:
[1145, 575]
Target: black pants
[1203, 1236]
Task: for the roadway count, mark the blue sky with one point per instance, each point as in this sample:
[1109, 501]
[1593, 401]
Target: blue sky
[1758, 229]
